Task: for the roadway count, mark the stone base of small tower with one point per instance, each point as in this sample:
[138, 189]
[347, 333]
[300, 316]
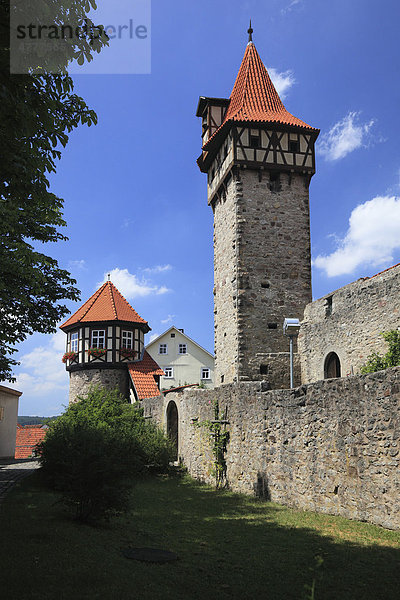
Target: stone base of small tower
[80, 381]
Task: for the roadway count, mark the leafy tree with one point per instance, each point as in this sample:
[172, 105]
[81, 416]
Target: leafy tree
[37, 113]
[96, 449]
[377, 362]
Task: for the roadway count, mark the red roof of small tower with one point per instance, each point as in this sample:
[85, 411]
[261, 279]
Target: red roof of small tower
[254, 97]
[142, 375]
[107, 304]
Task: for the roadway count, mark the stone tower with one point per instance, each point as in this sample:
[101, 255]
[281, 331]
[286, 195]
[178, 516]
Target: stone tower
[259, 160]
[105, 346]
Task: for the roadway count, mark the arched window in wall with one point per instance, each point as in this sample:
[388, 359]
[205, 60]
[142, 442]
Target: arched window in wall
[332, 366]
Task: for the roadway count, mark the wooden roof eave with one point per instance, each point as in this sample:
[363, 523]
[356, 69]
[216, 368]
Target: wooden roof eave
[144, 326]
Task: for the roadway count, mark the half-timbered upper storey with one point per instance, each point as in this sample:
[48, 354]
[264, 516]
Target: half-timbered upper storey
[105, 330]
[252, 128]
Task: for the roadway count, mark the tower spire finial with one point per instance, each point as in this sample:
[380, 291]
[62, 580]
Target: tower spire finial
[250, 32]
[108, 276]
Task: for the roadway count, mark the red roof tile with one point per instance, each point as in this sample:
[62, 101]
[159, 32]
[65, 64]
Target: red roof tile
[27, 438]
[142, 375]
[107, 304]
[254, 97]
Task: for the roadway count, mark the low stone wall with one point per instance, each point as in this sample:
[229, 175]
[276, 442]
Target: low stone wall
[330, 446]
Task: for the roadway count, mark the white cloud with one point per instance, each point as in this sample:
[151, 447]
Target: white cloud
[42, 371]
[77, 264]
[158, 269]
[344, 137]
[169, 319]
[282, 81]
[291, 6]
[371, 239]
[153, 337]
[130, 286]
[127, 222]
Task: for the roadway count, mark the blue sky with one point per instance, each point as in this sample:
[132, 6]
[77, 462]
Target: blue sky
[135, 200]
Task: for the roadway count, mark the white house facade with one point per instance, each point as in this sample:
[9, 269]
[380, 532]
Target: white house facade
[182, 360]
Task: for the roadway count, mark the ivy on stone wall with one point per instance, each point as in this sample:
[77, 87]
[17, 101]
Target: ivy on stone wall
[219, 439]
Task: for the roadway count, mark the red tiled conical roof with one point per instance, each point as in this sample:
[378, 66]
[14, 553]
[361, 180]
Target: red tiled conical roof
[107, 304]
[254, 97]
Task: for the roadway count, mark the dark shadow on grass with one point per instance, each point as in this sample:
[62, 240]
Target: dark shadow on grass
[230, 546]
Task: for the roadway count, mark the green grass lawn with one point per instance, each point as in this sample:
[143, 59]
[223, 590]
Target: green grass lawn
[229, 546]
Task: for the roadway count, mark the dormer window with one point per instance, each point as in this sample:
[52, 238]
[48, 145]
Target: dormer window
[98, 338]
[127, 340]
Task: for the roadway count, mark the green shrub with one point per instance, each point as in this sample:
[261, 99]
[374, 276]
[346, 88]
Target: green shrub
[95, 450]
[377, 362]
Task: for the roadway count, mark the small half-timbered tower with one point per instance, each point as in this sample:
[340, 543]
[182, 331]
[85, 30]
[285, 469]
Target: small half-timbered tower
[259, 161]
[105, 346]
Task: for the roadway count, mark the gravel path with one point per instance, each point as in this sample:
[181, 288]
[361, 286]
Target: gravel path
[12, 471]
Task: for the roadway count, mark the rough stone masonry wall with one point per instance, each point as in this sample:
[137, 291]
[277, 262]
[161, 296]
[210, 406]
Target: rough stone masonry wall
[360, 312]
[225, 286]
[262, 275]
[80, 381]
[331, 446]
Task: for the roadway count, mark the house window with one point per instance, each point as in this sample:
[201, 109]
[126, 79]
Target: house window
[169, 372]
[127, 340]
[172, 335]
[98, 338]
[74, 342]
[205, 373]
[163, 349]
[182, 349]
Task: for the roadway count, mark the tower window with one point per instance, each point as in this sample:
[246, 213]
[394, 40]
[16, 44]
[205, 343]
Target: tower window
[275, 181]
[255, 141]
[98, 338]
[265, 285]
[274, 140]
[263, 369]
[328, 306]
[74, 342]
[127, 340]
[272, 325]
[294, 146]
